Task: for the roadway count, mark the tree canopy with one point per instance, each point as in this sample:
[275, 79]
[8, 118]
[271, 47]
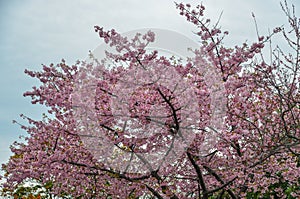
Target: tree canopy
[224, 123]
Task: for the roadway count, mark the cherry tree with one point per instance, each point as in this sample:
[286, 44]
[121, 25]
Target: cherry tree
[141, 125]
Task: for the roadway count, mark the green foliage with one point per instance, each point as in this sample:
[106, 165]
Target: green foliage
[289, 192]
[30, 191]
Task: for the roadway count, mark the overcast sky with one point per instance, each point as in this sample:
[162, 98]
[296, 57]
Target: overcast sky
[35, 32]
